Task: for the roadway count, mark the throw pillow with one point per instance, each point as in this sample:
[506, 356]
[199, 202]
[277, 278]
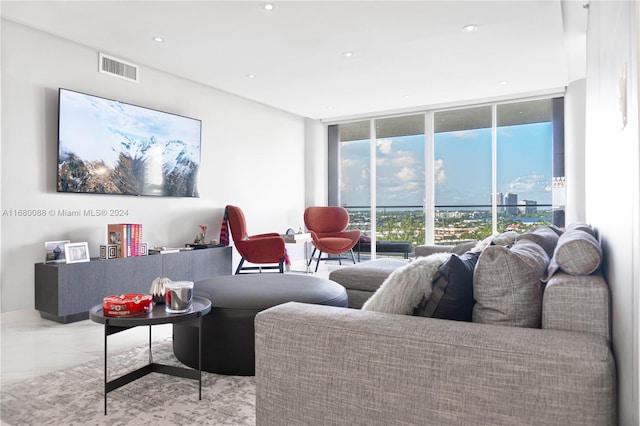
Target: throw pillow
[507, 286]
[505, 239]
[452, 293]
[462, 248]
[404, 289]
[582, 227]
[544, 236]
[577, 253]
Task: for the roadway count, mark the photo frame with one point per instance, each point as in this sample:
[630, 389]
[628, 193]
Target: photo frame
[54, 251]
[76, 252]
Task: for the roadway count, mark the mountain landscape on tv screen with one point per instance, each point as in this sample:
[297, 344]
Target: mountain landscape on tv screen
[143, 167]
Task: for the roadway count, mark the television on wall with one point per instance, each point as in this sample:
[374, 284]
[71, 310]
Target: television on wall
[111, 147]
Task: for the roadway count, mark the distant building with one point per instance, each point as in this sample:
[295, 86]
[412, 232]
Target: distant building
[511, 203]
[528, 207]
[499, 199]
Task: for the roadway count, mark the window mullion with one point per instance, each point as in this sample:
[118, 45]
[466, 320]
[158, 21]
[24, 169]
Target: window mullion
[429, 180]
[372, 186]
[494, 168]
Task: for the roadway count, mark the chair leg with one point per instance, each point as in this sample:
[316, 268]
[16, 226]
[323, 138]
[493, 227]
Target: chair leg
[281, 265]
[318, 262]
[353, 257]
[312, 254]
[240, 265]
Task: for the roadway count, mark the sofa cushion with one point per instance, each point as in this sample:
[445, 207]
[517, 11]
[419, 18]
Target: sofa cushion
[462, 248]
[544, 236]
[452, 293]
[407, 286]
[577, 253]
[366, 276]
[507, 286]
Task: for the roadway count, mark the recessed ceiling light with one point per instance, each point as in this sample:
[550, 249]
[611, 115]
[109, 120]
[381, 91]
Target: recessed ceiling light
[251, 76]
[503, 82]
[348, 54]
[158, 39]
[269, 6]
[470, 28]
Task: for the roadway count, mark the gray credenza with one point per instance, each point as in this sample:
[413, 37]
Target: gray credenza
[65, 292]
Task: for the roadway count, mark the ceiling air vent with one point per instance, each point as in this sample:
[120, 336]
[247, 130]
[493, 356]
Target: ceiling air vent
[118, 68]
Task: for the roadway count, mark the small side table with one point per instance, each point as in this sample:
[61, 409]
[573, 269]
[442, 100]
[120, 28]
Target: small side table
[113, 325]
[300, 239]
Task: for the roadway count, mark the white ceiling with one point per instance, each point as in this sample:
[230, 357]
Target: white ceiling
[406, 54]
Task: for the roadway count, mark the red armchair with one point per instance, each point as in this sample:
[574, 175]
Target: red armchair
[259, 249]
[327, 227]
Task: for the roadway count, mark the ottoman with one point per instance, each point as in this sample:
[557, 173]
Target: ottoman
[363, 279]
[227, 331]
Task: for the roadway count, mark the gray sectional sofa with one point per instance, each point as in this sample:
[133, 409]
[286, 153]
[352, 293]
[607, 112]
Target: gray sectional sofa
[319, 365]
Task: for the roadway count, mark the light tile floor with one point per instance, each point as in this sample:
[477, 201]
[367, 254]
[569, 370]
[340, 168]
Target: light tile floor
[31, 346]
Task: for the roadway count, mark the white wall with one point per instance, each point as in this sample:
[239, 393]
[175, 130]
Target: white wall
[612, 161]
[316, 160]
[252, 156]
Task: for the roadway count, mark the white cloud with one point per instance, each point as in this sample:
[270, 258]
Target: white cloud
[404, 158]
[439, 174]
[406, 174]
[529, 183]
[465, 134]
[384, 146]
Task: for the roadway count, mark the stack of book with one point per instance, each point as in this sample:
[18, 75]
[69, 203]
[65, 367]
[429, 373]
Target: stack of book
[128, 238]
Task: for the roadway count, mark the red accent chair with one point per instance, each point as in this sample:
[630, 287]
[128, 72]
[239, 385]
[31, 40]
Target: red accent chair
[327, 227]
[259, 249]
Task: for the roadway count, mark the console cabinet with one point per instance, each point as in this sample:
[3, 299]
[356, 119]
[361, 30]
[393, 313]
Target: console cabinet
[65, 292]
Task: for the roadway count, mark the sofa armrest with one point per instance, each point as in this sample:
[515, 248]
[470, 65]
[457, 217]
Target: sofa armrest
[577, 303]
[426, 250]
[318, 365]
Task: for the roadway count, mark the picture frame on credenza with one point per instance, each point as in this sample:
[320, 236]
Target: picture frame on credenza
[54, 251]
[76, 252]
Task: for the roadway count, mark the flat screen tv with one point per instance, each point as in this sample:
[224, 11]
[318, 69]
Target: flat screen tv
[111, 147]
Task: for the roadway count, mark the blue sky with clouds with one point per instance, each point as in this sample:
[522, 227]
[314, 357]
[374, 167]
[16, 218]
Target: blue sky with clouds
[462, 168]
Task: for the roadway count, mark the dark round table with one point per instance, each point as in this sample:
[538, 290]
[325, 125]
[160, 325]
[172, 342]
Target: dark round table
[191, 319]
[228, 342]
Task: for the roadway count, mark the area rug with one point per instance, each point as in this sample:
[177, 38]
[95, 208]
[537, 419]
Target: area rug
[75, 396]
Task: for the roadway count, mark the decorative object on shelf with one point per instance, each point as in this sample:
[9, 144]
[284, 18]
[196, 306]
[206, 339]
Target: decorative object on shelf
[109, 251]
[201, 237]
[158, 289]
[127, 304]
[76, 252]
[179, 296]
[54, 251]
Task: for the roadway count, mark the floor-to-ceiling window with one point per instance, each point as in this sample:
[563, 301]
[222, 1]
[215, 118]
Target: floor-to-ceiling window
[462, 165]
[382, 169]
[354, 182]
[399, 165]
[524, 164]
[474, 171]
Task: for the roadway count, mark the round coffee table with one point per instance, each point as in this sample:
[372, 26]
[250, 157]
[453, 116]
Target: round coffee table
[227, 331]
[191, 320]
